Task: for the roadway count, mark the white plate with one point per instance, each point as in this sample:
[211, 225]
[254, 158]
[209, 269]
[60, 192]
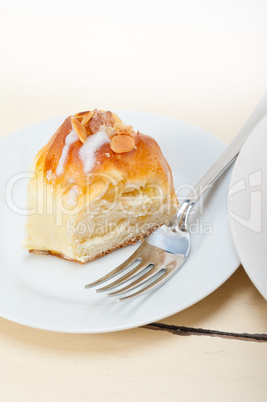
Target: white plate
[247, 200]
[46, 292]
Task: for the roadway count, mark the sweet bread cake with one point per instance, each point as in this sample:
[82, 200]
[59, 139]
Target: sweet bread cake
[97, 185]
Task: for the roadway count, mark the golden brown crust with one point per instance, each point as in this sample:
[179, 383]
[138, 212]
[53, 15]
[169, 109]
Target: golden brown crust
[145, 161]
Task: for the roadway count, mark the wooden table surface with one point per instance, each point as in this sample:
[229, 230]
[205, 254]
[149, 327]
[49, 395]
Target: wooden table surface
[207, 68]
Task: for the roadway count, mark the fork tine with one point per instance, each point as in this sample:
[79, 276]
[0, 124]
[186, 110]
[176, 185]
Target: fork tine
[133, 273]
[136, 255]
[113, 273]
[146, 277]
[158, 282]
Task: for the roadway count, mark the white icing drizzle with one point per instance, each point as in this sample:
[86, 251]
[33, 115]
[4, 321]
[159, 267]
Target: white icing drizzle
[72, 180]
[70, 139]
[50, 175]
[72, 197]
[91, 145]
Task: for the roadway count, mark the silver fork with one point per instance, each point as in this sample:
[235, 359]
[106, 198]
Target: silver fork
[164, 252]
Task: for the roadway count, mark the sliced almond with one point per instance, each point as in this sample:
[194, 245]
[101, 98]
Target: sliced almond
[122, 128]
[122, 143]
[116, 118]
[110, 131]
[87, 117]
[80, 129]
[129, 130]
[79, 116]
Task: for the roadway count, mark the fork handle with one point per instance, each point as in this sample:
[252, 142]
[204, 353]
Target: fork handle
[224, 161]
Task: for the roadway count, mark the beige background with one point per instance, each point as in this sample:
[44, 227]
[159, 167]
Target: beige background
[204, 62]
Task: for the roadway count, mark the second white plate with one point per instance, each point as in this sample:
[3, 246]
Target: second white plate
[46, 292]
[247, 206]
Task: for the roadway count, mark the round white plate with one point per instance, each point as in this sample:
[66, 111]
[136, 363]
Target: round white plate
[247, 200]
[47, 292]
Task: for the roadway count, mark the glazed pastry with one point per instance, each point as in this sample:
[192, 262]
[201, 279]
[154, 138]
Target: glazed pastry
[98, 185]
